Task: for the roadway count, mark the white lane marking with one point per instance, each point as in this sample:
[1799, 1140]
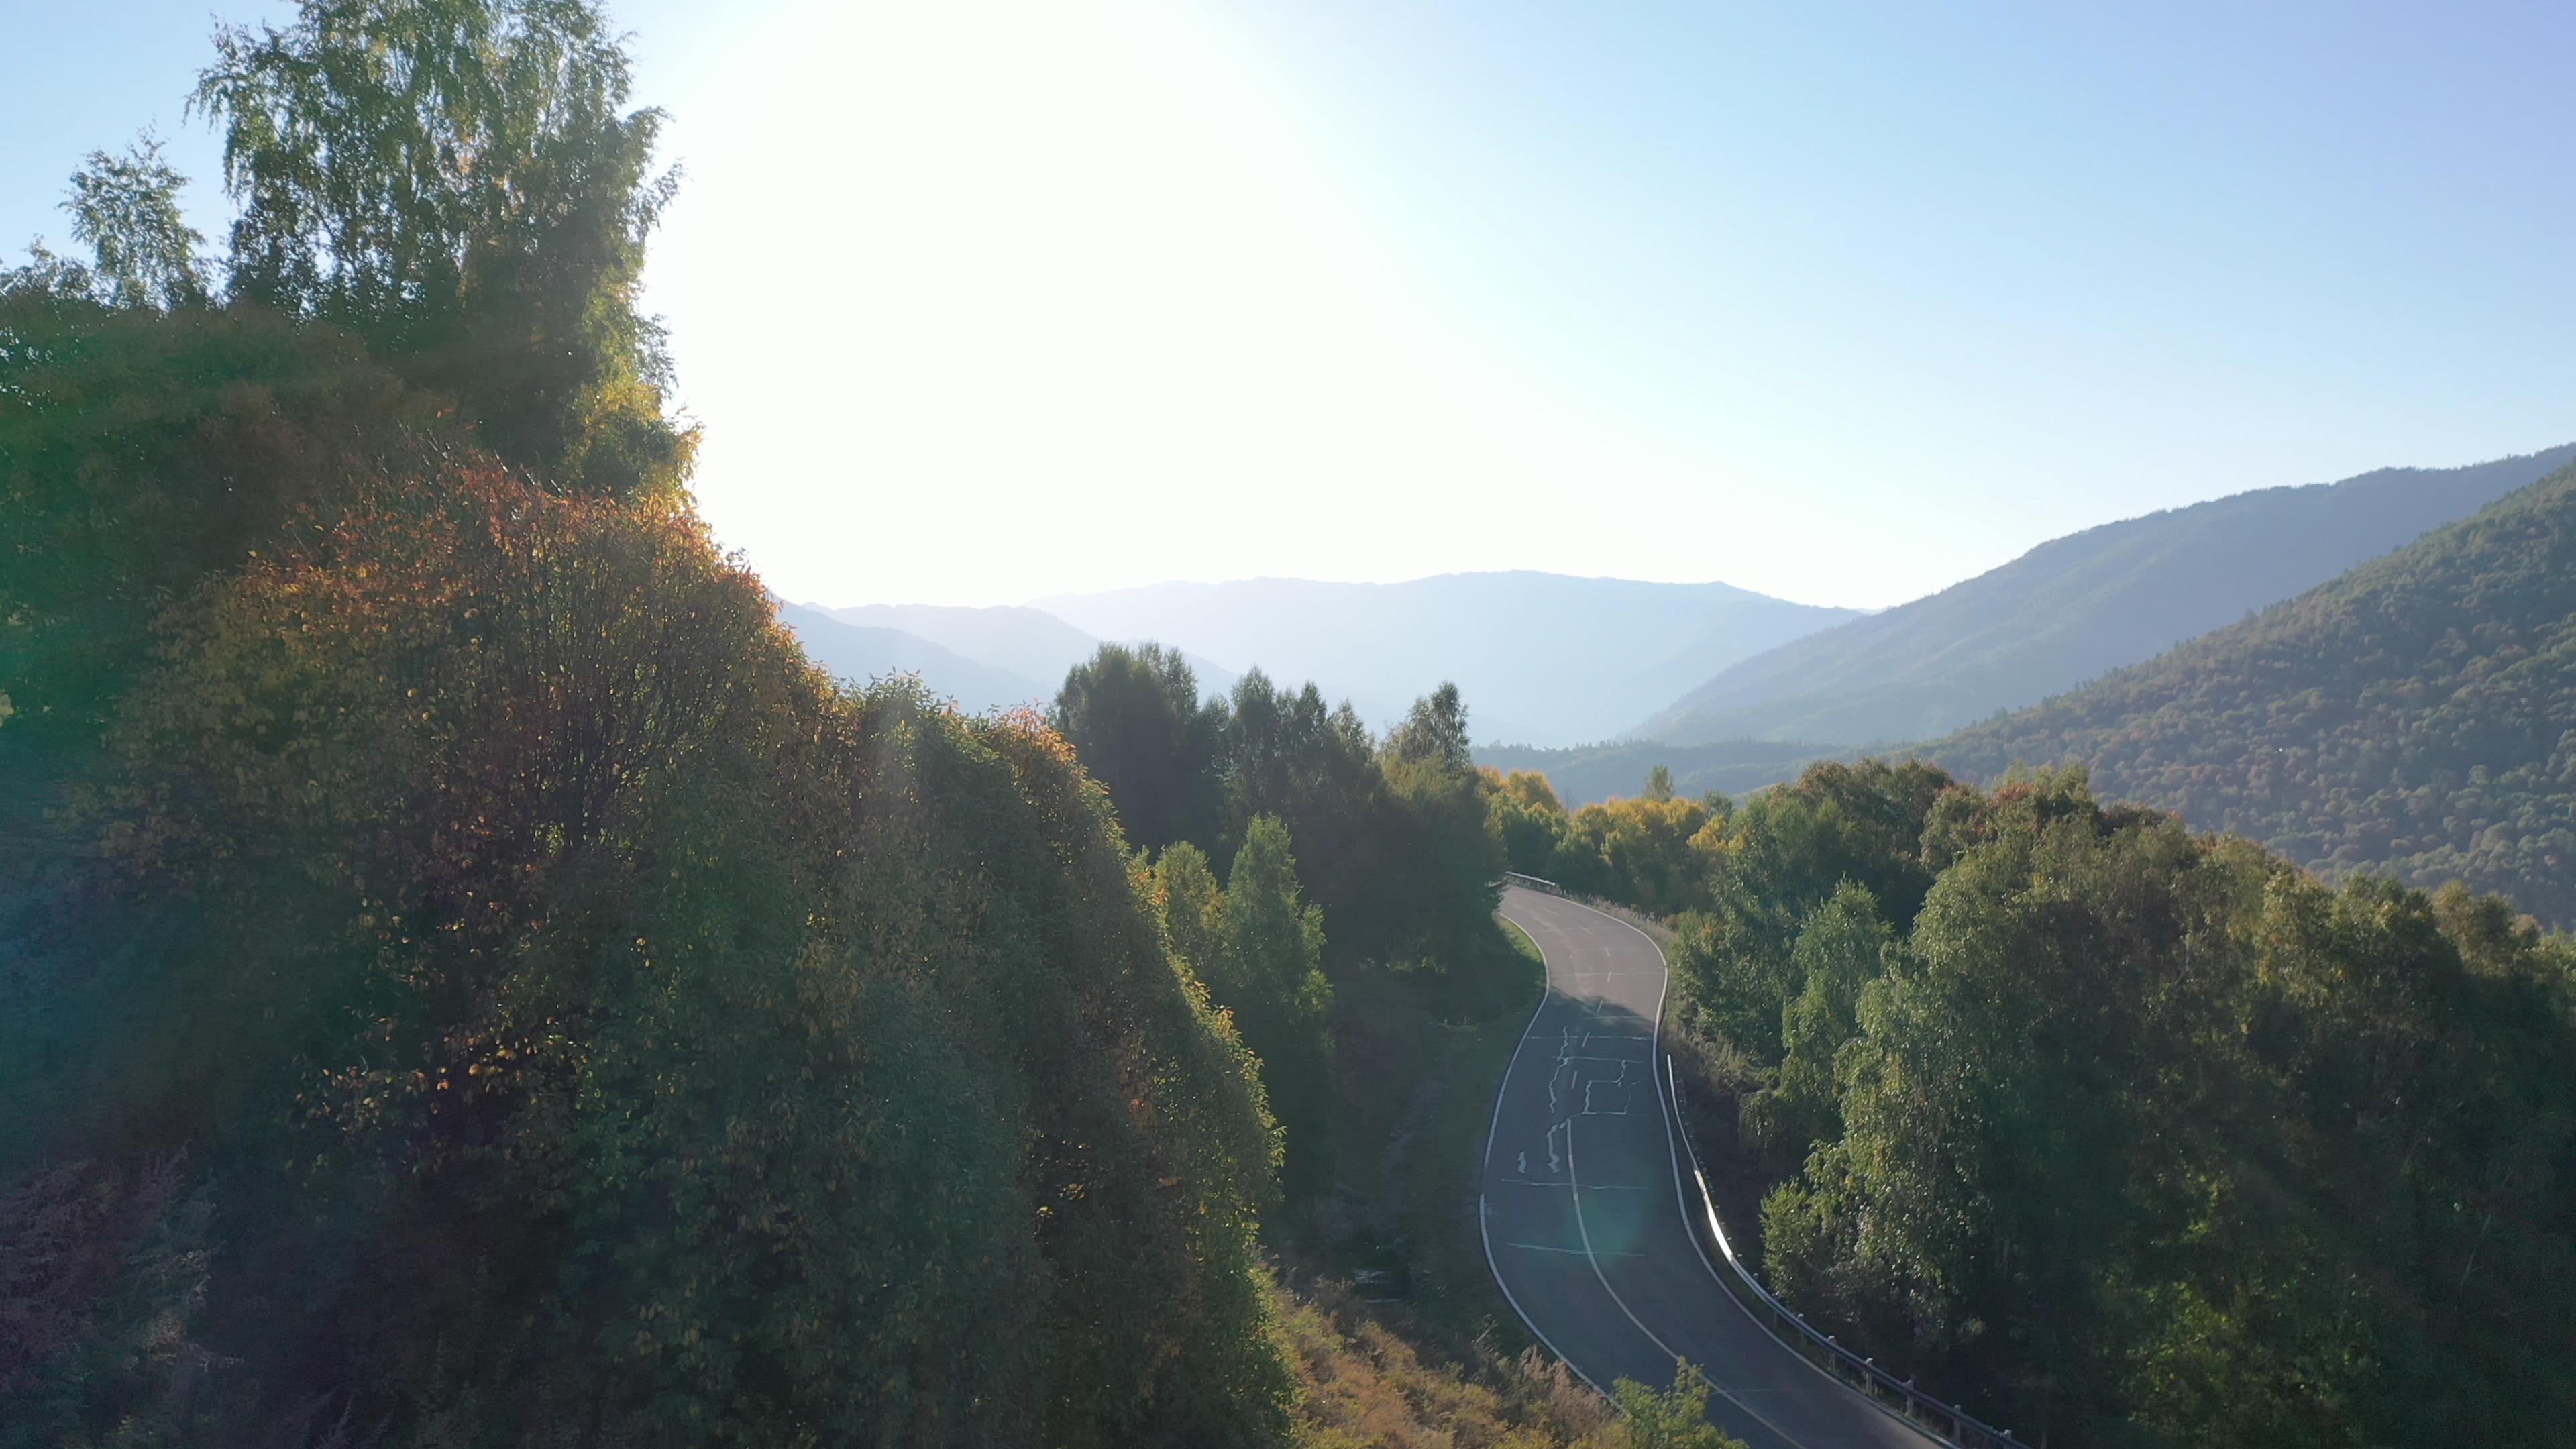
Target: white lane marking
[1584, 1232]
[1574, 1252]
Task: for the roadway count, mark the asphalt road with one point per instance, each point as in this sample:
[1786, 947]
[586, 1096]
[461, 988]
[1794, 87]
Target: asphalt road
[1583, 1206]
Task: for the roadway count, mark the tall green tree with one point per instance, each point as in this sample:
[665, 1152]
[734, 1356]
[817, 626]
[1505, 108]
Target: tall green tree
[1530, 819]
[1268, 970]
[1135, 717]
[1313, 767]
[1193, 906]
[1840, 950]
[125, 208]
[461, 184]
[1452, 857]
[1433, 732]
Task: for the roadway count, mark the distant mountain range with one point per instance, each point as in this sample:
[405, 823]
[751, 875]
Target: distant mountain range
[2074, 608]
[1545, 659]
[859, 653]
[2415, 716]
[1027, 642]
[996, 658]
[2412, 711]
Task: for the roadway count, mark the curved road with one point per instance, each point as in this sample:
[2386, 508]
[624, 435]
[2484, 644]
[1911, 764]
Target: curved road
[1584, 1216]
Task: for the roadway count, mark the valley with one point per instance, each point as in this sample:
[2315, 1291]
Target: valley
[1643, 729]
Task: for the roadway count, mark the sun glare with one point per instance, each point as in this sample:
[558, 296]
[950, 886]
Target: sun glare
[1069, 256]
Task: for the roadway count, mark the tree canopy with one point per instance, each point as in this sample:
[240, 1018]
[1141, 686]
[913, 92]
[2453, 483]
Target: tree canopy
[460, 184]
[2130, 1135]
[2409, 717]
[469, 980]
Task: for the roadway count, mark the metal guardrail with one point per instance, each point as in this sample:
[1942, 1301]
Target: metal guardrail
[1662, 933]
[1925, 1412]
[1898, 1396]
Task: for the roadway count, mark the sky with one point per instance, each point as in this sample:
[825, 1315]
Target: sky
[980, 302]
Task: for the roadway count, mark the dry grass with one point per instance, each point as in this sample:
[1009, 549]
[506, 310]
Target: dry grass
[1362, 1384]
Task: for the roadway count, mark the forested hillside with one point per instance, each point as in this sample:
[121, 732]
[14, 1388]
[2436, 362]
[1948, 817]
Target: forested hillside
[1549, 659]
[2415, 717]
[2124, 1135]
[465, 978]
[2075, 607]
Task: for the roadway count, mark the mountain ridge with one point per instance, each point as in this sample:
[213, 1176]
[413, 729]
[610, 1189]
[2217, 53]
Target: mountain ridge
[2415, 715]
[2076, 607]
[1544, 657]
[860, 653]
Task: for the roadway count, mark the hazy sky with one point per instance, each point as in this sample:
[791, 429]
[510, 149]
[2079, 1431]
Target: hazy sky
[980, 302]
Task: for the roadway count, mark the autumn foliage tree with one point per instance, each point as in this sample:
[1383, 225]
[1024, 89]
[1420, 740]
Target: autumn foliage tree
[470, 981]
[714, 1024]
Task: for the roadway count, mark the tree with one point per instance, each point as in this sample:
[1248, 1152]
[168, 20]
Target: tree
[458, 182]
[1642, 851]
[1840, 950]
[126, 210]
[1135, 718]
[1774, 859]
[1314, 768]
[1451, 858]
[1659, 783]
[1193, 907]
[711, 1047]
[1268, 970]
[2148, 1136]
[1527, 815]
[1433, 732]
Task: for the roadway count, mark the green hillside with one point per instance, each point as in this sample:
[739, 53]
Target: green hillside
[2416, 716]
[2076, 607]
